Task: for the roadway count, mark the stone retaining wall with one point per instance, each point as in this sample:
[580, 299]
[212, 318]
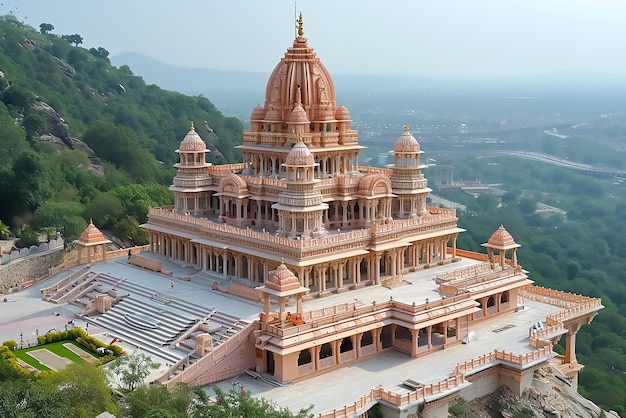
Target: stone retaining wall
[17, 272]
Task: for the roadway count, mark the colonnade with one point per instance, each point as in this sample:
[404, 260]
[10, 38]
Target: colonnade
[496, 303]
[321, 277]
[270, 165]
[415, 342]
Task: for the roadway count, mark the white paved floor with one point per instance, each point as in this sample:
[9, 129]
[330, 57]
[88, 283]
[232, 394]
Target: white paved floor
[26, 313]
[337, 388]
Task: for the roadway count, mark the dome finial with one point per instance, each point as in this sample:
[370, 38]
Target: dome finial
[192, 128]
[406, 127]
[300, 29]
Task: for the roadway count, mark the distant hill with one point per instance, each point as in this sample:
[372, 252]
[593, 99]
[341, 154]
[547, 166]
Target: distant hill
[237, 92]
[83, 88]
[80, 138]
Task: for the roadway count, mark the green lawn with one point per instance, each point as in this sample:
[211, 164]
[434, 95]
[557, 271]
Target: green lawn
[57, 348]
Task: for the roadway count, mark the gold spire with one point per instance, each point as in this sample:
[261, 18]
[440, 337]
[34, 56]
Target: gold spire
[300, 29]
[192, 128]
[406, 127]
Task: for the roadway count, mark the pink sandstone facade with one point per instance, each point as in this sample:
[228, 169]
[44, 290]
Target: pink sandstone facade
[299, 220]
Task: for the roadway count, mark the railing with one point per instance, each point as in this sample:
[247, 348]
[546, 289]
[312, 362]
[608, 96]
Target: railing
[554, 297]
[584, 305]
[458, 378]
[463, 272]
[225, 168]
[249, 234]
[200, 373]
[470, 254]
[576, 311]
[46, 292]
[394, 398]
[330, 315]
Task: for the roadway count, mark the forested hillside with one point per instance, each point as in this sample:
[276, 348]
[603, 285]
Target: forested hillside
[80, 138]
[582, 251]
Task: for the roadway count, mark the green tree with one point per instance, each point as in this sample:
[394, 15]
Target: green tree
[120, 146]
[86, 389]
[510, 197]
[105, 210]
[239, 402]
[132, 370]
[137, 199]
[46, 28]
[75, 39]
[65, 217]
[159, 401]
[100, 52]
[24, 398]
[35, 124]
[28, 237]
[128, 228]
[18, 96]
[527, 205]
[4, 231]
[30, 184]
[487, 202]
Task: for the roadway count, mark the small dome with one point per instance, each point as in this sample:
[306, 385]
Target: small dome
[300, 155]
[92, 235]
[342, 114]
[272, 115]
[406, 142]
[374, 184]
[325, 113]
[501, 238]
[298, 115]
[258, 113]
[234, 185]
[282, 279]
[192, 142]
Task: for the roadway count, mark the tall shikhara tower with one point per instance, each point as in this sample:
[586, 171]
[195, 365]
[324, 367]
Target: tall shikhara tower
[300, 198]
[300, 106]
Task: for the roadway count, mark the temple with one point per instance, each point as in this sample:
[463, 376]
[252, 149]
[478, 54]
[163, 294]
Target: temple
[347, 262]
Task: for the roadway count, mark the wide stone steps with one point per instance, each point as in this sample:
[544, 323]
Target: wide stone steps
[170, 355]
[175, 317]
[170, 325]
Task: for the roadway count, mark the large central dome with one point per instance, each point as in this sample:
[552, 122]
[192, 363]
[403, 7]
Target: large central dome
[300, 78]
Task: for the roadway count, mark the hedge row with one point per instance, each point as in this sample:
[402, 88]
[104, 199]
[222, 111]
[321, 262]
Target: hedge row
[81, 337]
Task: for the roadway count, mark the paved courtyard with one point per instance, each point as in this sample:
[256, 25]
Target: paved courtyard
[26, 314]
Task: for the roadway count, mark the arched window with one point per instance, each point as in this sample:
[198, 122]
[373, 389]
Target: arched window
[346, 345]
[304, 357]
[504, 298]
[325, 351]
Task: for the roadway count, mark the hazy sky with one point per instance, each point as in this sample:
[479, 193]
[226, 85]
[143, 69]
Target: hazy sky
[434, 38]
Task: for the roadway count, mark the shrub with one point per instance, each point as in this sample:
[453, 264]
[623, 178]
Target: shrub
[460, 410]
[11, 344]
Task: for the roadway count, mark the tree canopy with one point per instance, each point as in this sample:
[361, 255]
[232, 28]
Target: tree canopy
[53, 87]
[581, 251]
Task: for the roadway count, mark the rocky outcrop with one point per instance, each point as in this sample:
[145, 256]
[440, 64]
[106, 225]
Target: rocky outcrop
[65, 68]
[56, 126]
[551, 395]
[57, 132]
